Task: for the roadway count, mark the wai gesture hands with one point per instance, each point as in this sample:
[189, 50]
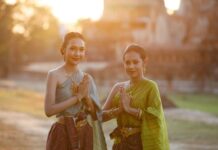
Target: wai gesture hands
[125, 100]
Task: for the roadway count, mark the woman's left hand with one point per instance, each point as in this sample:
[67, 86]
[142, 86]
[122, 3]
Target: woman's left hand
[125, 99]
[83, 87]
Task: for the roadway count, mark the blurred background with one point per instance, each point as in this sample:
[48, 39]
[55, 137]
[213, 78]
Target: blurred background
[181, 39]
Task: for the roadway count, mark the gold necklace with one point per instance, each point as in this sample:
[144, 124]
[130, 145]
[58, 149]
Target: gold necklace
[74, 78]
[130, 90]
[69, 74]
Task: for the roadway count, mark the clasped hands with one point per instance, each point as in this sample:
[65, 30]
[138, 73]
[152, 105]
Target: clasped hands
[82, 91]
[125, 100]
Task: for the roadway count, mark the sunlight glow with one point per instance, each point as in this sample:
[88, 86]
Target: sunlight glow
[70, 11]
[19, 29]
[172, 5]
[10, 2]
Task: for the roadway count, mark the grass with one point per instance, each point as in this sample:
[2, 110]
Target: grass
[21, 100]
[197, 101]
[192, 132]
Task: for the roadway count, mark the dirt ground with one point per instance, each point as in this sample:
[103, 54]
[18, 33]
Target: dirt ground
[22, 132]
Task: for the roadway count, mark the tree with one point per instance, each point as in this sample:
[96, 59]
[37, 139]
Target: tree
[28, 33]
[6, 23]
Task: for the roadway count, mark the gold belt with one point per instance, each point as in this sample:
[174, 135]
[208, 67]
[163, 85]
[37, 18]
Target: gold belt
[125, 132]
[78, 124]
[81, 123]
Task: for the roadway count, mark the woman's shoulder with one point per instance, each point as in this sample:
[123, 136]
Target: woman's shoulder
[54, 72]
[150, 82]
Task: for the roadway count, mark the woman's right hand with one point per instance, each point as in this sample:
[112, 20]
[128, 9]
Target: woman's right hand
[83, 88]
[125, 99]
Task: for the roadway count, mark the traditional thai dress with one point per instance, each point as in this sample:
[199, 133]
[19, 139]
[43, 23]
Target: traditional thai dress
[147, 133]
[78, 130]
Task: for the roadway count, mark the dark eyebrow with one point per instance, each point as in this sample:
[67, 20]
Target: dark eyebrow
[73, 46]
[132, 59]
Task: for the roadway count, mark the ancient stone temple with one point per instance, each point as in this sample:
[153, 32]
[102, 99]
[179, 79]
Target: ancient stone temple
[182, 47]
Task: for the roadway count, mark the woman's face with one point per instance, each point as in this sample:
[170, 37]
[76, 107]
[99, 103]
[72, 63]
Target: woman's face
[133, 64]
[75, 51]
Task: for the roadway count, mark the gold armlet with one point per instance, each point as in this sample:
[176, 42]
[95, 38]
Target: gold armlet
[139, 115]
[112, 112]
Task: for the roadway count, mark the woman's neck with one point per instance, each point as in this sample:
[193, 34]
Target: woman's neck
[135, 81]
[69, 69]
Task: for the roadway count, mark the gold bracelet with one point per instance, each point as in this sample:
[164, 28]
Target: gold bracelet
[139, 116]
[138, 111]
[111, 112]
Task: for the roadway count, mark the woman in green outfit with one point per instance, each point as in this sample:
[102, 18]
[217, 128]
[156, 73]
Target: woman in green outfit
[137, 107]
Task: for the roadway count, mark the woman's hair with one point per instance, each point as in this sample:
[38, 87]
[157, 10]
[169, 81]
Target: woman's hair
[136, 48]
[69, 36]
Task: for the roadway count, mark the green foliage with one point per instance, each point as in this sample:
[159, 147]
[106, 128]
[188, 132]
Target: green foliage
[192, 132]
[198, 101]
[43, 34]
[28, 33]
[6, 24]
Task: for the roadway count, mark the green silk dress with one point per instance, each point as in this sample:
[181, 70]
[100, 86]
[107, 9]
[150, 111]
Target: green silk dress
[145, 95]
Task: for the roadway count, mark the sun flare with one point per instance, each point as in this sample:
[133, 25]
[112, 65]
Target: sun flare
[70, 11]
[172, 5]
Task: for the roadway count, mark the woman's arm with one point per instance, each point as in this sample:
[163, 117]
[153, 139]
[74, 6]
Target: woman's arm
[108, 104]
[108, 111]
[134, 112]
[50, 107]
[110, 114]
